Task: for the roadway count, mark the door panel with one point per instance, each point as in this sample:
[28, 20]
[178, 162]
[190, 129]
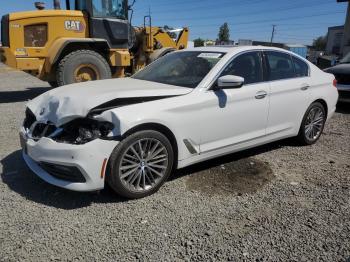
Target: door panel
[115, 31]
[234, 116]
[288, 103]
[238, 115]
[289, 94]
[109, 20]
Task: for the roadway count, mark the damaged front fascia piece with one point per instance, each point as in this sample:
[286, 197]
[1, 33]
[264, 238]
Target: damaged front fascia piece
[82, 130]
[120, 102]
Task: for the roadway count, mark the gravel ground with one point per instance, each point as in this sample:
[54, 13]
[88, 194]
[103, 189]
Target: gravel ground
[278, 202]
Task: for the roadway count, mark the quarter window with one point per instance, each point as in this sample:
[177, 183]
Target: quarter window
[301, 68]
[248, 66]
[279, 66]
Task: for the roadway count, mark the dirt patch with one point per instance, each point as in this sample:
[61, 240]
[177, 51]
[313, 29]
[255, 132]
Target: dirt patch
[238, 177]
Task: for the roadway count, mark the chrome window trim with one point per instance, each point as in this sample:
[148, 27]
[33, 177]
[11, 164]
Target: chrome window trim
[308, 66]
[210, 85]
[291, 56]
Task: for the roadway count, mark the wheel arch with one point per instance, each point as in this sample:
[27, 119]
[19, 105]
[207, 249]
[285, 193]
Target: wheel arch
[323, 103]
[160, 128]
[64, 46]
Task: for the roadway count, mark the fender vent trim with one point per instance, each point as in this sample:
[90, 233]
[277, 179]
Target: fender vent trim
[190, 147]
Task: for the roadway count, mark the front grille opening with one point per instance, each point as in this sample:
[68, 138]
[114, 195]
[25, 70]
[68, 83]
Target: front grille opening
[66, 173]
[39, 129]
[43, 130]
[29, 119]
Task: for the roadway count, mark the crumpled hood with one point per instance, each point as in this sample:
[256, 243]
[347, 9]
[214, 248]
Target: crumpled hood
[339, 69]
[63, 104]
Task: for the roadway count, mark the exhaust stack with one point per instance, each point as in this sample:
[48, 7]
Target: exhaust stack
[57, 4]
[39, 5]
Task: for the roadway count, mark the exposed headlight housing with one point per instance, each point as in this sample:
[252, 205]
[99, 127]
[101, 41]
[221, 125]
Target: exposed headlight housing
[35, 35]
[83, 130]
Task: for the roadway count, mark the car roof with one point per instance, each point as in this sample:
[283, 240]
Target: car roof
[234, 49]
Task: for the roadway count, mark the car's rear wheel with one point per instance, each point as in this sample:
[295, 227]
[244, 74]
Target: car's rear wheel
[140, 164]
[313, 124]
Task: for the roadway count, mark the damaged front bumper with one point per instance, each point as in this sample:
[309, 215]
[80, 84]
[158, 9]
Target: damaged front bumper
[74, 167]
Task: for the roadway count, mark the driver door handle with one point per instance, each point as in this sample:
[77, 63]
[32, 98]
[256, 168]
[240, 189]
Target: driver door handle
[304, 87]
[261, 95]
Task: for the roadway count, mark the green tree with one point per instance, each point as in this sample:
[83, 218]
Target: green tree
[198, 42]
[224, 33]
[320, 43]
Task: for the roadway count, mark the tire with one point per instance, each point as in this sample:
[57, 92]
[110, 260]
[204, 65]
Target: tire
[135, 175]
[81, 66]
[309, 133]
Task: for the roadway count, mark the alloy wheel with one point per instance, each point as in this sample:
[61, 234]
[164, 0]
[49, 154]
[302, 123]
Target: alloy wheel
[143, 165]
[314, 123]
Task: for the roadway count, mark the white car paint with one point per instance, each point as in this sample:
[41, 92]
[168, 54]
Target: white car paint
[215, 123]
[60, 105]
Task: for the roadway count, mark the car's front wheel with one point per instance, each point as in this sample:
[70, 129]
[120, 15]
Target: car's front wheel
[140, 164]
[313, 123]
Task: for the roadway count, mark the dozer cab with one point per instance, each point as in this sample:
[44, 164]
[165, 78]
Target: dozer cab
[89, 40]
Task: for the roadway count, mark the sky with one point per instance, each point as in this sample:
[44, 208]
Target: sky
[297, 21]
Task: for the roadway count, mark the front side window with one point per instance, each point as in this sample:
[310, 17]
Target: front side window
[80, 5]
[279, 65]
[301, 68]
[185, 69]
[110, 8]
[35, 35]
[247, 66]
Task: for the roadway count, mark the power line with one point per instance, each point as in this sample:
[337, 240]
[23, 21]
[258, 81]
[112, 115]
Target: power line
[196, 8]
[186, 2]
[265, 11]
[252, 29]
[273, 20]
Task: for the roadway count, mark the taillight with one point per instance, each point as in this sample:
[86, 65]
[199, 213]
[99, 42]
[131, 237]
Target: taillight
[335, 82]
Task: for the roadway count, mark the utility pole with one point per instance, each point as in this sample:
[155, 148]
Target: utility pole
[273, 33]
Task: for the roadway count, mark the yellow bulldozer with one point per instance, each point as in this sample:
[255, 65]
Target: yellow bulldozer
[88, 40]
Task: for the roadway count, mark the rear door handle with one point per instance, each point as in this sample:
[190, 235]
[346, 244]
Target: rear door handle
[261, 95]
[305, 87]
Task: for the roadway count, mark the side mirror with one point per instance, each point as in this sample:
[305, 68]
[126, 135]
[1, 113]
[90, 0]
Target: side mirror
[230, 81]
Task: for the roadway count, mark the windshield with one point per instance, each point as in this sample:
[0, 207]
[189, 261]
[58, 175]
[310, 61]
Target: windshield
[103, 8]
[346, 59]
[180, 68]
[110, 8]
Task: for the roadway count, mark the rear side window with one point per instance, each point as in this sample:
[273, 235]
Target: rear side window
[247, 66]
[279, 66]
[301, 68]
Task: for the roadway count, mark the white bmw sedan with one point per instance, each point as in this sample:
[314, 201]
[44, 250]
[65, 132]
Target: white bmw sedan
[186, 107]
